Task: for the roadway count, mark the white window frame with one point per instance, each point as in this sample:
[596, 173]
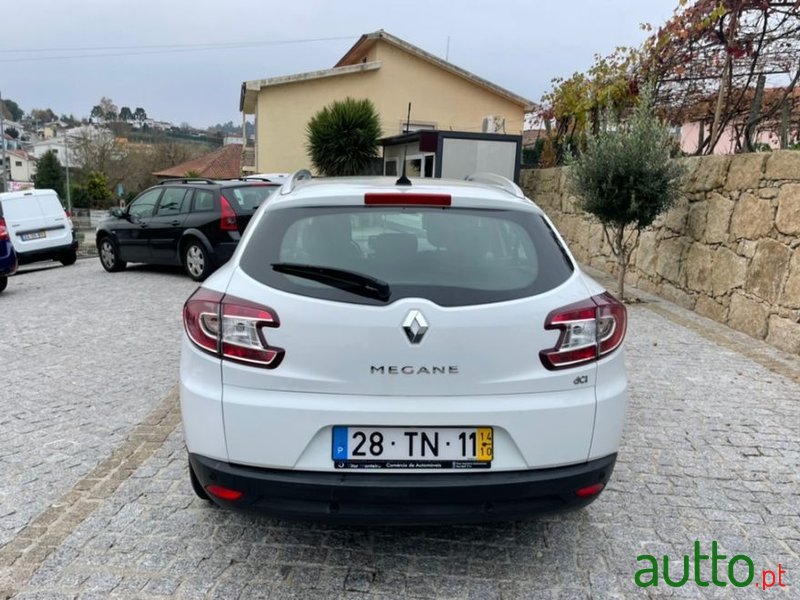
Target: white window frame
[422, 156]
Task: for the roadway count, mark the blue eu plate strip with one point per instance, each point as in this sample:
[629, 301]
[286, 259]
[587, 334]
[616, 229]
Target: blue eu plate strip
[340, 443]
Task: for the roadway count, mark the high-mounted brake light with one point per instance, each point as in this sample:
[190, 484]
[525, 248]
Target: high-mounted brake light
[590, 329]
[231, 328]
[227, 220]
[406, 199]
[3, 230]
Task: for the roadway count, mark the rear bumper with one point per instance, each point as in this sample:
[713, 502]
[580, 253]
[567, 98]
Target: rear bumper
[53, 253]
[359, 498]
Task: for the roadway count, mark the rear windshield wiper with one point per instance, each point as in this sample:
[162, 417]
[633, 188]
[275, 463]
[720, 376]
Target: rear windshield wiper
[349, 281]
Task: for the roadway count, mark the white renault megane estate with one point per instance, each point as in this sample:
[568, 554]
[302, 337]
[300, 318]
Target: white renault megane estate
[422, 353]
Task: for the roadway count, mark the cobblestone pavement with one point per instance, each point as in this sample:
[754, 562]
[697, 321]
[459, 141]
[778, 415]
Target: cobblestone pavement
[84, 355]
[711, 453]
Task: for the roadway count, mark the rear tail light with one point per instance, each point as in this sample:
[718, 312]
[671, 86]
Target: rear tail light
[223, 493]
[231, 328]
[227, 220]
[590, 490]
[590, 329]
[406, 199]
[3, 230]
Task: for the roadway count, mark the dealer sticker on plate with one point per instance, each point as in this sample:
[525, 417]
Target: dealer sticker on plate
[412, 447]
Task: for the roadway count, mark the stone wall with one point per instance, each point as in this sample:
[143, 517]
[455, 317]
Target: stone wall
[729, 249]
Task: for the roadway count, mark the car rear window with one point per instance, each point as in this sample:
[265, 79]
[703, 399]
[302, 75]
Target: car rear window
[246, 199]
[453, 256]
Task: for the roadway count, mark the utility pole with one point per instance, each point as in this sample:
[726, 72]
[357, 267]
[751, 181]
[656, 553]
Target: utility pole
[3, 176]
[66, 162]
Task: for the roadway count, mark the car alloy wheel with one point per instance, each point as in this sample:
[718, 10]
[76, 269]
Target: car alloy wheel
[109, 257]
[107, 254]
[196, 262]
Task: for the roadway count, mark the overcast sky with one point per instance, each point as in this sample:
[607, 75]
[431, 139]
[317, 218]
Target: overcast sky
[518, 44]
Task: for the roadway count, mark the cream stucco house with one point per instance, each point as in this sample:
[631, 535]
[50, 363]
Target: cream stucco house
[390, 72]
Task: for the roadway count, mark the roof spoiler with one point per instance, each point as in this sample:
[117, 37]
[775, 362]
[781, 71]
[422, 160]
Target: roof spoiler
[495, 180]
[294, 179]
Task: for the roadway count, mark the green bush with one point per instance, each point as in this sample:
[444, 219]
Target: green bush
[78, 196]
[49, 173]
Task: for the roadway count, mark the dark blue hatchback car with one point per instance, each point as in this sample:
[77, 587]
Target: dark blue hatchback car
[8, 258]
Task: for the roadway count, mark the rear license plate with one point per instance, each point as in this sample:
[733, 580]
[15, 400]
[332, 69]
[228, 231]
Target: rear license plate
[412, 447]
[26, 237]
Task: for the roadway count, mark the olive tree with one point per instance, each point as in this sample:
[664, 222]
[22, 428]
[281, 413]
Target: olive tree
[343, 137]
[626, 178]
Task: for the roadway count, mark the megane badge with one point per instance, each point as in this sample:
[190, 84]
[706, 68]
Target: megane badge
[415, 326]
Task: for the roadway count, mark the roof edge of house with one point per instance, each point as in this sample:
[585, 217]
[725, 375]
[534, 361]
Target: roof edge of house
[528, 105]
[256, 85]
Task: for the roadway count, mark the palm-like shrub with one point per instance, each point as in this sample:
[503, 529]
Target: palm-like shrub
[626, 178]
[343, 137]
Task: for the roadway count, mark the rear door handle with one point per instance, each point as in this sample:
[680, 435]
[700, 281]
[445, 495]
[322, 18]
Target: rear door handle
[175, 222]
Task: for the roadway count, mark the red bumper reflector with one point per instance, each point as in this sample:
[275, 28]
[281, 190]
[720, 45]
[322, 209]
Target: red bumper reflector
[407, 199]
[223, 493]
[590, 490]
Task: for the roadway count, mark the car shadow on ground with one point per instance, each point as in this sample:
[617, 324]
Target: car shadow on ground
[29, 269]
[145, 268]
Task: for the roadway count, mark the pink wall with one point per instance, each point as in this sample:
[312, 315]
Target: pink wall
[727, 142]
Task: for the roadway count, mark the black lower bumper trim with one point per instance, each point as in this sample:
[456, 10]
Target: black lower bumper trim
[54, 253]
[403, 498]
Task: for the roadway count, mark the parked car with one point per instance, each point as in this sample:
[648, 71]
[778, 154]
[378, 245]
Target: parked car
[194, 223]
[384, 353]
[8, 258]
[38, 226]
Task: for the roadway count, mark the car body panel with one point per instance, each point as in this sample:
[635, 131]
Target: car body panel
[8, 258]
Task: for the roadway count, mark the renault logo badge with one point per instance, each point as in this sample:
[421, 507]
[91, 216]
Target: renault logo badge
[415, 326]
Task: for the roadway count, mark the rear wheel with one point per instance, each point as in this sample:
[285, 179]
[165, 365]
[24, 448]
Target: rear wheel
[196, 261]
[3, 282]
[109, 257]
[196, 487]
[69, 258]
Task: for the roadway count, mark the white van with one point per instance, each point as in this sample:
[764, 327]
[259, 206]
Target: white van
[38, 226]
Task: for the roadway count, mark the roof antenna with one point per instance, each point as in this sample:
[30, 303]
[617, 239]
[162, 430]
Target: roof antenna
[403, 180]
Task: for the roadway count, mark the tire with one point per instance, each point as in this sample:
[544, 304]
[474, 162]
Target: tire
[109, 257]
[3, 282]
[69, 258]
[196, 261]
[196, 487]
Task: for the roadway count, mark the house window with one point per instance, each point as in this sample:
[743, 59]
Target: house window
[18, 163]
[390, 166]
[428, 170]
[420, 165]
